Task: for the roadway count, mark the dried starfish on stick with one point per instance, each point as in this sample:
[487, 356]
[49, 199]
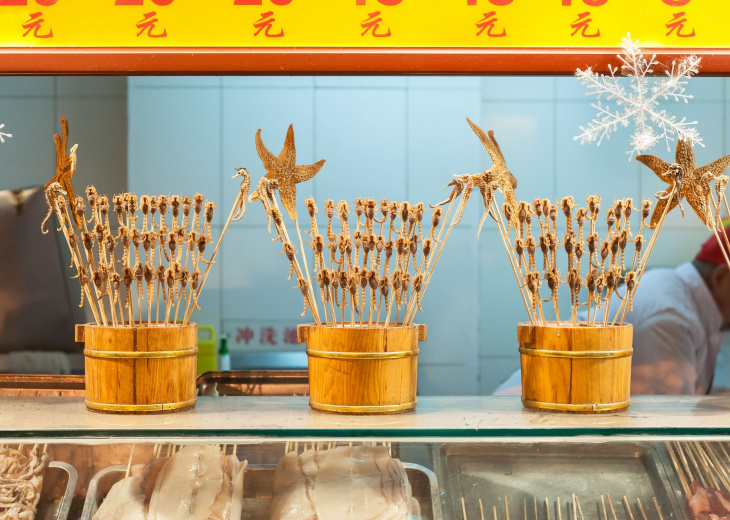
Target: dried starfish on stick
[288, 174]
[380, 265]
[598, 274]
[111, 264]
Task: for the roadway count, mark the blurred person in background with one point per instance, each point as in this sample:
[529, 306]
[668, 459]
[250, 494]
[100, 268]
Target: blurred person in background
[37, 315]
[679, 316]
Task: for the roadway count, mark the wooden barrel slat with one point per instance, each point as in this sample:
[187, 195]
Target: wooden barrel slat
[140, 369]
[575, 369]
[368, 370]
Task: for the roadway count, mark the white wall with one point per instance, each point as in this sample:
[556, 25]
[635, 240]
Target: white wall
[400, 138]
[96, 108]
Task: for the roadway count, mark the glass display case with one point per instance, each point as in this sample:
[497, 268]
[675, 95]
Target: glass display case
[469, 458]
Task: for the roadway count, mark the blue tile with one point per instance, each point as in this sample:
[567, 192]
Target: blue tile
[96, 86]
[441, 144]
[706, 89]
[26, 86]
[444, 82]
[590, 169]
[272, 110]
[525, 133]
[361, 133]
[448, 379]
[256, 288]
[28, 158]
[493, 371]
[360, 82]
[518, 87]
[174, 141]
[99, 126]
[268, 81]
[174, 81]
[569, 88]
[500, 305]
[450, 304]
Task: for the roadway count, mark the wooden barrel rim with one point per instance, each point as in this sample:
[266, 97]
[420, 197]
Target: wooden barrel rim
[150, 354]
[326, 354]
[136, 408]
[577, 354]
[590, 407]
[363, 409]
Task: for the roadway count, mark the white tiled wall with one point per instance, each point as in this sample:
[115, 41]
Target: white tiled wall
[400, 138]
[96, 109]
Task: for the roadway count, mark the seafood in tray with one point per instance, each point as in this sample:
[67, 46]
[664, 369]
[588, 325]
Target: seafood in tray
[355, 482]
[542, 481]
[23, 473]
[199, 481]
[703, 471]
[322, 481]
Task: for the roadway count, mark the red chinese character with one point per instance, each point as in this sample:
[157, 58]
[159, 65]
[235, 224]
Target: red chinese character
[266, 24]
[148, 24]
[244, 334]
[34, 24]
[374, 23]
[267, 336]
[581, 25]
[487, 23]
[678, 23]
[290, 336]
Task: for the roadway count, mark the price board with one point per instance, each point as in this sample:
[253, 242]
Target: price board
[350, 35]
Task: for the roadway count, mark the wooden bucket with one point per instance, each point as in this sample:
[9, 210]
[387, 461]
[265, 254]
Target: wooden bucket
[140, 370]
[362, 370]
[575, 369]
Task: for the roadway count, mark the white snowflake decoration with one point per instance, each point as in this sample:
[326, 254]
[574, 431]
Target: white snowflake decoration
[3, 135]
[639, 104]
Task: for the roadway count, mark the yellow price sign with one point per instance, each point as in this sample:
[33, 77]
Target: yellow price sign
[509, 24]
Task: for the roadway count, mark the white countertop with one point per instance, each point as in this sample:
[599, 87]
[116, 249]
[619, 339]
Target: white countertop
[467, 417]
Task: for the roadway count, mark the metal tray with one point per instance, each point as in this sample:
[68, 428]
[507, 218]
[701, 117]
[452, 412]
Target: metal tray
[258, 488]
[674, 480]
[523, 472]
[59, 486]
[254, 382]
[17, 385]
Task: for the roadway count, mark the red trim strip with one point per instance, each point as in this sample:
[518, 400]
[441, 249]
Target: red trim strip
[287, 61]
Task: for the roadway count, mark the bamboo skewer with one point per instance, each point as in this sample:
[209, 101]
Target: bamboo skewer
[610, 506]
[129, 463]
[97, 269]
[628, 508]
[679, 471]
[577, 503]
[658, 509]
[239, 202]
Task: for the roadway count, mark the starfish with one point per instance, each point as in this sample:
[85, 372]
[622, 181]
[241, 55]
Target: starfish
[65, 168]
[285, 171]
[688, 181]
[497, 174]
